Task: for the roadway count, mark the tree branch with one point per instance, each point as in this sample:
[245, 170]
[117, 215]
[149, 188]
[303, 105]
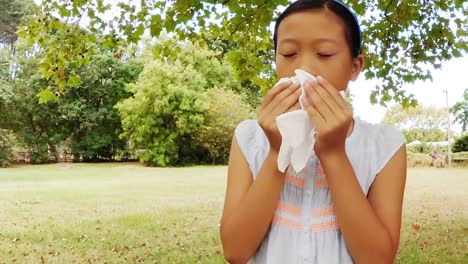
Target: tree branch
[247, 16]
[386, 10]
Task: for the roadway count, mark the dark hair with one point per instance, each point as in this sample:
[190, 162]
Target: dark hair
[353, 31]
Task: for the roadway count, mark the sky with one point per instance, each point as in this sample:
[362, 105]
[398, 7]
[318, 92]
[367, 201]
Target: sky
[453, 76]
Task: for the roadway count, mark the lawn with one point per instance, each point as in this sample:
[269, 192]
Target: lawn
[128, 213]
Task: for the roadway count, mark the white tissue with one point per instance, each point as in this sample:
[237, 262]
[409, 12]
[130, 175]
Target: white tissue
[296, 129]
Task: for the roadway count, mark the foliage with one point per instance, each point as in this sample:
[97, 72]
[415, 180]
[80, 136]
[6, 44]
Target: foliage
[460, 155]
[418, 160]
[6, 147]
[419, 117]
[91, 118]
[424, 135]
[421, 148]
[226, 111]
[38, 126]
[401, 37]
[460, 110]
[169, 105]
[5, 86]
[12, 14]
[460, 144]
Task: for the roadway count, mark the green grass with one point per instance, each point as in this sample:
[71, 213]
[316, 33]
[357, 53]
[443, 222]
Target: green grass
[127, 213]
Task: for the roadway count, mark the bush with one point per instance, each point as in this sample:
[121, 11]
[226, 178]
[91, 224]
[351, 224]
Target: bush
[460, 144]
[418, 160]
[6, 147]
[460, 158]
[41, 155]
[169, 103]
[226, 110]
[460, 155]
[421, 148]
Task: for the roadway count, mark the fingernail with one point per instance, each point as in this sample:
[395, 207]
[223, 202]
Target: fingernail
[286, 83]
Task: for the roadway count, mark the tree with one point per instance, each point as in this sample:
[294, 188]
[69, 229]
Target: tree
[12, 14]
[423, 123]
[5, 86]
[91, 118]
[6, 137]
[6, 147]
[419, 117]
[39, 127]
[401, 37]
[170, 102]
[424, 135]
[227, 109]
[460, 110]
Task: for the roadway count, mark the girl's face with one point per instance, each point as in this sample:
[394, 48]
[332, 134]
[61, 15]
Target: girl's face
[315, 41]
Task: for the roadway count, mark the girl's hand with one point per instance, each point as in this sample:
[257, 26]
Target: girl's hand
[278, 100]
[330, 114]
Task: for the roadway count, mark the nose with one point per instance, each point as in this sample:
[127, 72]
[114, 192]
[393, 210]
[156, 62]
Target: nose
[309, 64]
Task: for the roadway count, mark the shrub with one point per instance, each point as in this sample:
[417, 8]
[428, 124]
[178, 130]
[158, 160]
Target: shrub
[6, 147]
[421, 148]
[41, 155]
[226, 110]
[418, 160]
[169, 103]
[460, 155]
[460, 144]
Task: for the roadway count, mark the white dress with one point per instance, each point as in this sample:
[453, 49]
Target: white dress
[304, 228]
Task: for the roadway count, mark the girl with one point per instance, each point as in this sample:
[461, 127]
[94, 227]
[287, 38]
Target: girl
[345, 206]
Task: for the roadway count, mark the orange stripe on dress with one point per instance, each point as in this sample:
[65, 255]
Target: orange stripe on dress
[283, 221]
[321, 183]
[319, 171]
[289, 209]
[324, 226]
[295, 180]
[325, 211]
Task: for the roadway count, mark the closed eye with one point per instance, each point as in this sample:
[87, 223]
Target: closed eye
[289, 55]
[325, 55]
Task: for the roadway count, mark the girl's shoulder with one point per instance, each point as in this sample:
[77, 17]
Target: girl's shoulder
[249, 132]
[379, 142]
[379, 132]
[252, 142]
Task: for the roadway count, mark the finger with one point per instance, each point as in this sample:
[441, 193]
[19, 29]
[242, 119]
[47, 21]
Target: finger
[319, 104]
[288, 102]
[316, 117]
[334, 93]
[273, 105]
[272, 93]
[327, 98]
[295, 107]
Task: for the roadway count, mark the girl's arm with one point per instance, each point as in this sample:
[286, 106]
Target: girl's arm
[250, 205]
[370, 225]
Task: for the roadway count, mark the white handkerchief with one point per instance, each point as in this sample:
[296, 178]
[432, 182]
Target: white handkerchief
[297, 130]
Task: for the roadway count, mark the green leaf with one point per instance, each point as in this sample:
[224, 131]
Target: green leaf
[73, 80]
[46, 95]
[156, 25]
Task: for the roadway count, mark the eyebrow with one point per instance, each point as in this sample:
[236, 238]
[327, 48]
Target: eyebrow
[294, 41]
